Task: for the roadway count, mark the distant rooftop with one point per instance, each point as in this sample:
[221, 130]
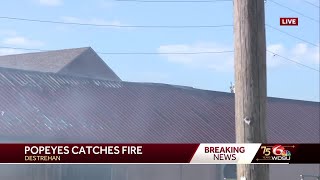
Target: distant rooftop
[78, 61]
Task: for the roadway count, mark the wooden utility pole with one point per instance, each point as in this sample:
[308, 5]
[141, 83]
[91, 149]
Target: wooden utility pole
[250, 81]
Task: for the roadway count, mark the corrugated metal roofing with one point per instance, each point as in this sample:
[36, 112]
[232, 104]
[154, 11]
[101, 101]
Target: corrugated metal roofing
[78, 61]
[64, 107]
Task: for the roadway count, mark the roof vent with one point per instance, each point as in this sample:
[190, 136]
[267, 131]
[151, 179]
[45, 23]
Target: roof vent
[232, 88]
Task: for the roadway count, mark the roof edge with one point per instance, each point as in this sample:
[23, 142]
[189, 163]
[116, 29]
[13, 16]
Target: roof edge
[184, 88]
[36, 51]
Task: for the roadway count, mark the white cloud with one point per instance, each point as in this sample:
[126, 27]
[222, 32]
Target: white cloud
[224, 61]
[22, 41]
[301, 52]
[305, 53]
[106, 4]
[272, 60]
[5, 51]
[50, 2]
[5, 32]
[217, 61]
[98, 21]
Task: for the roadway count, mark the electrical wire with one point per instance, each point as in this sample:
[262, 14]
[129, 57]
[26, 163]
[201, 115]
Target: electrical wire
[173, 1]
[144, 26]
[296, 62]
[177, 53]
[25, 49]
[131, 53]
[297, 12]
[113, 25]
[317, 6]
[272, 27]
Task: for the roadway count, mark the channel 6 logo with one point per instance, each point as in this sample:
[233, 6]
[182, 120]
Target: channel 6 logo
[276, 152]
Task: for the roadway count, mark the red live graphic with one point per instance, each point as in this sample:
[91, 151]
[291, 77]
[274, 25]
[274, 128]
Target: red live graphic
[289, 21]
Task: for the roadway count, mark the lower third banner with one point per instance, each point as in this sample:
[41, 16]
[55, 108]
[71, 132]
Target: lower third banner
[160, 153]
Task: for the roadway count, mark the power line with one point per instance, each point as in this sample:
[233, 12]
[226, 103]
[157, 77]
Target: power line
[296, 62]
[292, 35]
[25, 49]
[141, 26]
[144, 26]
[317, 6]
[297, 12]
[132, 53]
[174, 53]
[159, 53]
[173, 1]
[113, 25]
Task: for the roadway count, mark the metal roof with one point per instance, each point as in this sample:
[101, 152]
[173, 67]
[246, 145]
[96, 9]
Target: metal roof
[47, 61]
[53, 106]
[78, 61]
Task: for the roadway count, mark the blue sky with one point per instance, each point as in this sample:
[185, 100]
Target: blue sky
[207, 71]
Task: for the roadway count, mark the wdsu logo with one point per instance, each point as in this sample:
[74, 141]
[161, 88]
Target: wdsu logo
[276, 152]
